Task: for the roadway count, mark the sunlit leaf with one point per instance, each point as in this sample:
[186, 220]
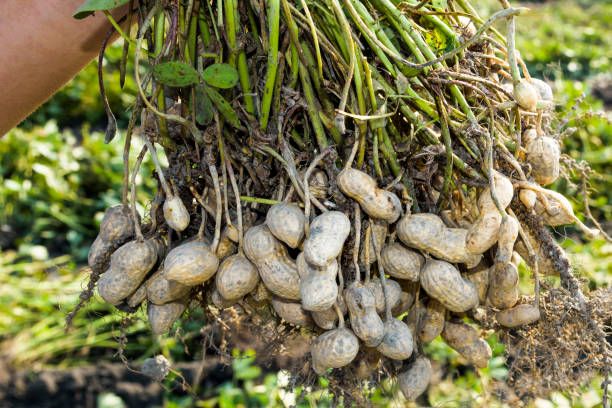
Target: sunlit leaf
[89, 6]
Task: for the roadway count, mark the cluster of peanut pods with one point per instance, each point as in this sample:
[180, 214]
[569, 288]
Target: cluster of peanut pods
[432, 270]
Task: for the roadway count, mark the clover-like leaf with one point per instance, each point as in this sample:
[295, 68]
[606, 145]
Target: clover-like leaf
[221, 76]
[175, 73]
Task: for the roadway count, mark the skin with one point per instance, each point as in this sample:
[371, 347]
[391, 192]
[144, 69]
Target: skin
[43, 47]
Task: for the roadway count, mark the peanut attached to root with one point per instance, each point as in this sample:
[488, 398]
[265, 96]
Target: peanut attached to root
[414, 381]
[464, 338]
[276, 268]
[328, 232]
[429, 233]
[377, 203]
[443, 282]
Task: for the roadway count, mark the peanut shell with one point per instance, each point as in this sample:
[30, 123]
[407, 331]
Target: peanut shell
[291, 312]
[128, 268]
[192, 263]
[397, 342]
[414, 381]
[276, 269]
[401, 262]
[162, 317]
[286, 222]
[518, 316]
[443, 282]
[236, 277]
[328, 232]
[333, 349]
[375, 202]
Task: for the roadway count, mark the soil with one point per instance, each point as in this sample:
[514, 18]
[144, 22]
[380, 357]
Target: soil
[81, 386]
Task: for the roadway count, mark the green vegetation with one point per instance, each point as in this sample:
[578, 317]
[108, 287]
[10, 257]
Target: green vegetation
[55, 183]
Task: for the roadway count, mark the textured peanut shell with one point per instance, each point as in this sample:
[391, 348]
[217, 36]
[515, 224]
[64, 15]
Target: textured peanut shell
[137, 297]
[415, 315]
[401, 262]
[328, 318]
[291, 312]
[464, 338]
[162, 317]
[561, 211]
[286, 222]
[175, 213]
[236, 277]
[506, 237]
[220, 302]
[318, 288]
[406, 301]
[432, 322]
[394, 291]
[161, 290]
[333, 349]
[543, 155]
[518, 316]
[443, 282]
[479, 276]
[99, 254]
[503, 291]
[414, 381]
[544, 90]
[226, 246]
[427, 232]
[397, 342]
[375, 202]
[191, 263]
[129, 266]
[117, 226]
[525, 95]
[379, 231]
[328, 232]
[483, 233]
[276, 269]
[365, 322]
[318, 184]
[528, 197]
[261, 293]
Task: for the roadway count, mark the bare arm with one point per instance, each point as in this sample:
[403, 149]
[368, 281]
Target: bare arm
[41, 48]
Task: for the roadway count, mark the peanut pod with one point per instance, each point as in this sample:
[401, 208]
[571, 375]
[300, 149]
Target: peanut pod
[427, 232]
[464, 338]
[401, 262]
[377, 203]
[333, 349]
[318, 288]
[128, 268]
[286, 223]
[443, 282]
[192, 263]
[276, 268]
[328, 232]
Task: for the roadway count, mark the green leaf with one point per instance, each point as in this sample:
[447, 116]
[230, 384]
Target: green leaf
[221, 76]
[175, 73]
[90, 6]
[203, 105]
[223, 107]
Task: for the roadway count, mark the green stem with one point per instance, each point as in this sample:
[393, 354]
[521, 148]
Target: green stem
[274, 25]
[313, 112]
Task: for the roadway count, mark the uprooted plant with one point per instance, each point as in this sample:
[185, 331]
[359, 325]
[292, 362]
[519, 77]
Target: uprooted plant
[311, 141]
